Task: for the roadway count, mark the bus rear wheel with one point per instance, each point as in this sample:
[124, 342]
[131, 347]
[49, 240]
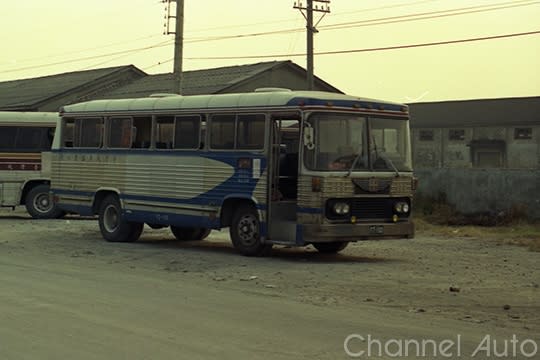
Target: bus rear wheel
[190, 233]
[330, 247]
[245, 232]
[112, 225]
[39, 204]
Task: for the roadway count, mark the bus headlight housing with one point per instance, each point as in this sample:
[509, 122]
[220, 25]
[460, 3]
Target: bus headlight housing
[401, 207]
[341, 208]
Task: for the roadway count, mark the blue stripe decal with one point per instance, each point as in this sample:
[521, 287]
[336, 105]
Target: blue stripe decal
[164, 218]
[77, 209]
[309, 210]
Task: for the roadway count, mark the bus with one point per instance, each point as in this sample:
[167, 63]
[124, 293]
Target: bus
[25, 144]
[274, 166]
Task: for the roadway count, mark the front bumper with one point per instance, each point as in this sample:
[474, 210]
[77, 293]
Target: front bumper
[358, 231]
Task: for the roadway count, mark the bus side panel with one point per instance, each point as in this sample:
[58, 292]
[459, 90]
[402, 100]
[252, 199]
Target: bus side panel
[15, 170]
[180, 188]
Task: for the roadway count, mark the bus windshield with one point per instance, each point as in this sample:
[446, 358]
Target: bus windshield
[349, 142]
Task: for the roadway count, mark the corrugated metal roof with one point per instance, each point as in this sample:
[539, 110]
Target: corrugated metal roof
[476, 113]
[28, 93]
[196, 82]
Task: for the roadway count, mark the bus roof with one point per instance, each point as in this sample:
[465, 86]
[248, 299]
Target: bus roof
[17, 117]
[259, 98]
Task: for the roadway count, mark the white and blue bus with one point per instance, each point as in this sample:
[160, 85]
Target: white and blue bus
[275, 166]
[25, 167]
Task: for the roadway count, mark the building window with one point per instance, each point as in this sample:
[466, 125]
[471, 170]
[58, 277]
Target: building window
[522, 133]
[456, 134]
[426, 135]
[488, 153]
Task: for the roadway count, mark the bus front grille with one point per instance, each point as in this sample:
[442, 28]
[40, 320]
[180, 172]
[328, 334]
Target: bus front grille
[366, 208]
[372, 208]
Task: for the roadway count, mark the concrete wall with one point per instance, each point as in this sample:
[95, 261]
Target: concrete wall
[442, 152]
[483, 190]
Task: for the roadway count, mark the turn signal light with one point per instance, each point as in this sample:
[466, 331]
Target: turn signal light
[316, 184]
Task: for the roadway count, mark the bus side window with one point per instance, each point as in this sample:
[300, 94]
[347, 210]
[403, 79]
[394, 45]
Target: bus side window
[88, 133]
[250, 131]
[121, 133]
[187, 132]
[222, 132]
[165, 132]
[31, 139]
[68, 129]
[7, 137]
[142, 132]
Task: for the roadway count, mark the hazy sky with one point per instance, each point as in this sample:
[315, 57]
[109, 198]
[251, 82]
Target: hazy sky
[77, 35]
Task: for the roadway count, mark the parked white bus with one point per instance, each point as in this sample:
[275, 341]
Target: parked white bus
[25, 144]
[275, 166]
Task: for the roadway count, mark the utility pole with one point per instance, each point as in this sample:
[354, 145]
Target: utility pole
[322, 6]
[178, 40]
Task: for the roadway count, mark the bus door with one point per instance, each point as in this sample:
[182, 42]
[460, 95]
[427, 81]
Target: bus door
[283, 180]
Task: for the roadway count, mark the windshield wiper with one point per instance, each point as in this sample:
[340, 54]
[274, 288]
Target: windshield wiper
[386, 159]
[393, 166]
[355, 161]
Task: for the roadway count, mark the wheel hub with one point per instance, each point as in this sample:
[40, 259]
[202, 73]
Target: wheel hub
[110, 218]
[248, 229]
[42, 203]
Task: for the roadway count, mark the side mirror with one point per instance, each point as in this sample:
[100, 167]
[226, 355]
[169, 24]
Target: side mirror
[308, 138]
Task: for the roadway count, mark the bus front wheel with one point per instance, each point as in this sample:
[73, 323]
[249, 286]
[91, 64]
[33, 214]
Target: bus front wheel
[39, 204]
[112, 225]
[190, 233]
[330, 247]
[245, 232]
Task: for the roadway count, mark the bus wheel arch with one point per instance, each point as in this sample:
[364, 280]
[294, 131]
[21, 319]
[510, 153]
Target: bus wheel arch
[113, 226]
[38, 201]
[229, 206]
[100, 196]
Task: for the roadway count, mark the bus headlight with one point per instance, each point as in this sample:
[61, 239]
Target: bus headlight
[341, 208]
[401, 207]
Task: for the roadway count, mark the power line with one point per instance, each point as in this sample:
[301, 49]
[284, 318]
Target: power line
[88, 49]
[380, 21]
[333, 14]
[361, 23]
[397, 47]
[429, 15]
[161, 44]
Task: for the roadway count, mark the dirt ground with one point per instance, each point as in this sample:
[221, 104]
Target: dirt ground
[66, 293]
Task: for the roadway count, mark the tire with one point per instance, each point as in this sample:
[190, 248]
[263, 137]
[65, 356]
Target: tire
[190, 233]
[39, 203]
[245, 232]
[330, 247]
[112, 225]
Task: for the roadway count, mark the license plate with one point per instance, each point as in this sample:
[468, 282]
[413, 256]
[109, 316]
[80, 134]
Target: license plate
[376, 230]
